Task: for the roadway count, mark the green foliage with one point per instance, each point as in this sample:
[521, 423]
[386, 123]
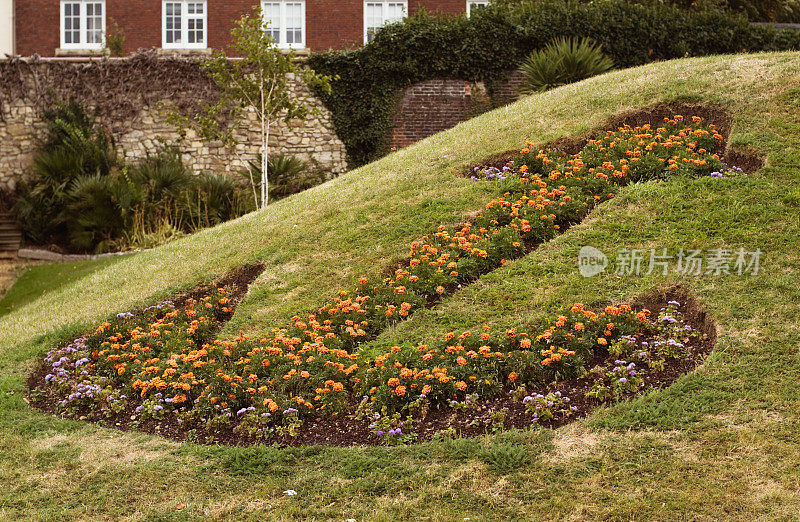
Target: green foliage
[85, 199]
[496, 40]
[505, 457]
[288, 175]
[115, 38]
[257, 82]
[563, 61]
[71, 147]
[754, 10]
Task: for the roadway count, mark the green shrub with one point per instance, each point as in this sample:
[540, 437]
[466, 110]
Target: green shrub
[83, 198]
[71, 147]
[496, 40]
[286, 175]
[563, 61]
[754, 10]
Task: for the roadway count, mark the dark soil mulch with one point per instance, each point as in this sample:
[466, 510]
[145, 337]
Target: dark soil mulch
[346, 430]
[747, 160]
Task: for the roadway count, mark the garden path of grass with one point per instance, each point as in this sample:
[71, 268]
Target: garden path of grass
[722, 442]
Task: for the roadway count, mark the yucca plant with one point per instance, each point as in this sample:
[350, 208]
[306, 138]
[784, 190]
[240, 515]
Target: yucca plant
[563, 61]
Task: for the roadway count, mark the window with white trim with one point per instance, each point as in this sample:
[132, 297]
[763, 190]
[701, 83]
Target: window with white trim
[285, 22]
[378, 14]
[184, 25]
[473, 5]
[83, 24]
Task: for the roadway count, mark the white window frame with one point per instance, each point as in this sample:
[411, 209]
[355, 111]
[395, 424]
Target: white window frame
[471, 3]
[384, 7]
[283, 26]
[82, 19]
[184, 43]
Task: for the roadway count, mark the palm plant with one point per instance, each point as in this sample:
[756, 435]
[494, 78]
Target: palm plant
[288, 174]
[563, 61]
[71, 147]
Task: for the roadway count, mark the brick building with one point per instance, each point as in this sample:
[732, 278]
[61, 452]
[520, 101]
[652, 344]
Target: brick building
[78, 27]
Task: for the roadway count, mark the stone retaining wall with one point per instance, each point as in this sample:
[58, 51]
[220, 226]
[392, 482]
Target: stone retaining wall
[136, 133]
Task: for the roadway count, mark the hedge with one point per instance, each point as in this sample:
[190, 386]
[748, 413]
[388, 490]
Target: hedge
[496, 39]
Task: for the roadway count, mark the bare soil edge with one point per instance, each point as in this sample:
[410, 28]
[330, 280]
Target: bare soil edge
[747, 160]
[345, 430]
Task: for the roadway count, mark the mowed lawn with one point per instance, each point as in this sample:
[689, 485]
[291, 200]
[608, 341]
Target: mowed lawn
[721, 443]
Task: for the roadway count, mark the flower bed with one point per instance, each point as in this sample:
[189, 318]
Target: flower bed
[162, 366]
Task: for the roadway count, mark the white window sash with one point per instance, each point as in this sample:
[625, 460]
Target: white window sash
[184, 20]
[384, 16]
[82, 30]
[283, 25]
[471, 3]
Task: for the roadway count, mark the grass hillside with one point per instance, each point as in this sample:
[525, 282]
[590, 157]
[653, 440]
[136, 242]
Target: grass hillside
[722, 441]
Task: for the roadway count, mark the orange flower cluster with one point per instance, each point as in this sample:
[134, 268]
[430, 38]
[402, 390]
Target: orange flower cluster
[311, 366]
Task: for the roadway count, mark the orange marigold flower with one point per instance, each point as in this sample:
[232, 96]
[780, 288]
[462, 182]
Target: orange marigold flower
[440, 290]
[426, 389]
[512, 376]
[400, 391]
[461, 385]
[461, 361]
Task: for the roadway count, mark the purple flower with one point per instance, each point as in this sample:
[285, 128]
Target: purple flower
[380, 433]
[669, 319]
[158, 407]
[674, 303]
[623, 380]
[527, 399]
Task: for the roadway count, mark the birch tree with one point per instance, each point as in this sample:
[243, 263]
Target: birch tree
[255, 79]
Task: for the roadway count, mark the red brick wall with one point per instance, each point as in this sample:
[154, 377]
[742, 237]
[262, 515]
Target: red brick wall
[330, 24]
[442, 6]
[141, 22]
[333, 24]
[37, 26]
[433, 106]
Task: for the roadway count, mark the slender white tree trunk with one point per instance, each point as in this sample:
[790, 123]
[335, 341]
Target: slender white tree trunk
[265, 167]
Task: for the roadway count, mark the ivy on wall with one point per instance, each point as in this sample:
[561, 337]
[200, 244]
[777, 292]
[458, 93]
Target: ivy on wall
[496, 39]
[117, 89]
